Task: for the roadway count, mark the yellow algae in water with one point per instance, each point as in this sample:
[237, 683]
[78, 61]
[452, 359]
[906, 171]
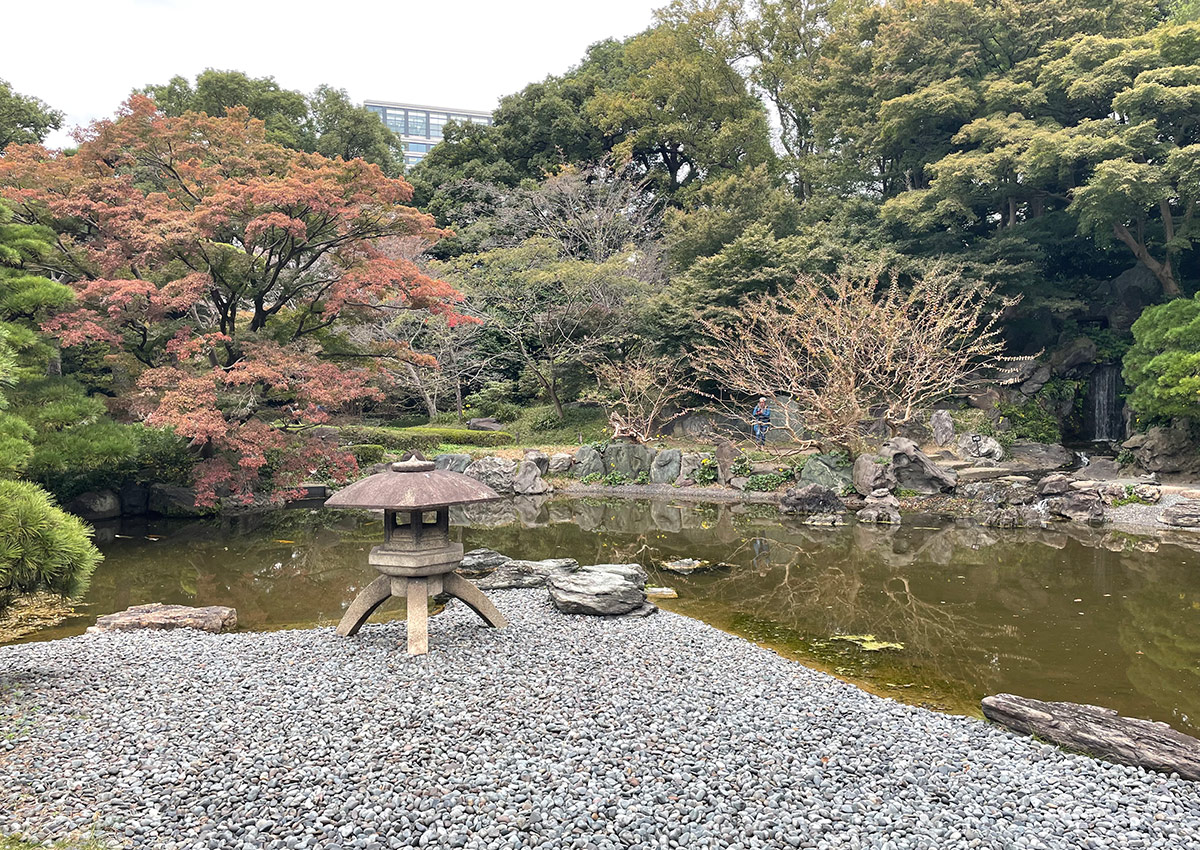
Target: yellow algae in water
[869, 643]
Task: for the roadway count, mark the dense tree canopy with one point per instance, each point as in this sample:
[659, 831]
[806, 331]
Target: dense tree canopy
[221, 269]
[24, 119]
[326, 122]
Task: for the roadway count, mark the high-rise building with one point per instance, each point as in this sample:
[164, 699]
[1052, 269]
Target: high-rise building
[420, 127]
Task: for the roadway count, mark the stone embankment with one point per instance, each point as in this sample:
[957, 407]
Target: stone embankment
[556, 732]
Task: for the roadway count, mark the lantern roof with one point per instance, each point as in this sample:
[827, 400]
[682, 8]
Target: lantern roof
[412, 484]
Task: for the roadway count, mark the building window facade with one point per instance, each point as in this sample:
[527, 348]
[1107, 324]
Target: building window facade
[421, 127]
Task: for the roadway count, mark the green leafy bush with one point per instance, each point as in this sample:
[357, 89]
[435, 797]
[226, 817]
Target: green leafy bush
[1031, 421]
[367, 454]
[706, 473]
[642, 478]
[768, 481]
[615, 479]
[421, 439]
[592, 478]
[86, 457]
[163, 457]
[741, 467]
[1162, 368]
[42, 548]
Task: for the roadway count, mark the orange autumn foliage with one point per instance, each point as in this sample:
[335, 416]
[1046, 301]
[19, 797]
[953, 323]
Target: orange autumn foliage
[223, 266]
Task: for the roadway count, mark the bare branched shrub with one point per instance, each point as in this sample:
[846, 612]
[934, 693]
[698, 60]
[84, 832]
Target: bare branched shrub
[837, 353]
[642, 393]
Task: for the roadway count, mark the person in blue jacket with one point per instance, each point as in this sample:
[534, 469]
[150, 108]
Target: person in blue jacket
[761, 422]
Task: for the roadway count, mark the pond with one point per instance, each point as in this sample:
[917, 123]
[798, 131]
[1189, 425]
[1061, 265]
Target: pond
[1073, 613]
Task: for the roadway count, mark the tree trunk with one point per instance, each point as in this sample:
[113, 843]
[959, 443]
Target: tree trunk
[1162, 271]
[1099, 732]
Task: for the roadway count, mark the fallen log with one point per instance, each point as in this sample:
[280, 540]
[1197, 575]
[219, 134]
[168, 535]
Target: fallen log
[1099, 732]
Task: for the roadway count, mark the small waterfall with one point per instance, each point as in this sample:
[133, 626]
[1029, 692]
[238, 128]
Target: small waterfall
[1104, 393]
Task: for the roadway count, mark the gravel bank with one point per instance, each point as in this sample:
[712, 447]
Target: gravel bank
[557, 732]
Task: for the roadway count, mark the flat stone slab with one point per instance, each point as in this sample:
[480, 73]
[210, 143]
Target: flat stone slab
[212, 618]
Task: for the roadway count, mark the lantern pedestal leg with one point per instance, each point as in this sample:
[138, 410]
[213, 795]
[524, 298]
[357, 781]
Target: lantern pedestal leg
[418, 616]
[364, 605]
[475, 599]
[416, 590]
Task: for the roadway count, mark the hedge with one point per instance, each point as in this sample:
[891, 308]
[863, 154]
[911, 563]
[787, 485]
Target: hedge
[421, 439]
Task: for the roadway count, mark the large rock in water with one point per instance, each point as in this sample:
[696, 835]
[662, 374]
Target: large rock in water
[213, 618]
[588, 461]
[828, 470]
[1099, 732]
[94, 505]
[811, 499]
[1077, 505]
[881, 507]
[602, 590]
[495, 472]
[664, 469]
[528, 481]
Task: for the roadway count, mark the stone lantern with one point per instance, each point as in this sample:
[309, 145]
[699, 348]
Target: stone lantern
[416, 559]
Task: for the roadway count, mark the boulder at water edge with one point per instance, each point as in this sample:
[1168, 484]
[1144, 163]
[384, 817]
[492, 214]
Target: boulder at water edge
[213, 618]
[628, 459]
[601, 589]
[881, 507]
[828, 470]
[452, 462]
[495, 472]
[1183, 514]
[588, 461]
[540, 459]
[899, 463]
[691, 462]
[811, 499]
[665, 467]
[559, 463]
[1078, 506]
[94, 505]
[528, 481]
[517, 573]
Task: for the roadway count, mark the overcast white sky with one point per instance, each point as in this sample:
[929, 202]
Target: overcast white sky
[85, 56]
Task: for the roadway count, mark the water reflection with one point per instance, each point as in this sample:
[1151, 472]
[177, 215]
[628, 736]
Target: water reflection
[1069, 613]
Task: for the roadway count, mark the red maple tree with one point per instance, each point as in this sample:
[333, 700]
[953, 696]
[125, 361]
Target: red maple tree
[230, 271]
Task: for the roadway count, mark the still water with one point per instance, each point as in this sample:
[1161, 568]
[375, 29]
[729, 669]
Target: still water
[1074, 613]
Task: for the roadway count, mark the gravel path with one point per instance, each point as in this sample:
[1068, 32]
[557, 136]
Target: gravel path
[557, 732]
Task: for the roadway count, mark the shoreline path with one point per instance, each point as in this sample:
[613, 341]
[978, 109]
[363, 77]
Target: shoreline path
[556, 732]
